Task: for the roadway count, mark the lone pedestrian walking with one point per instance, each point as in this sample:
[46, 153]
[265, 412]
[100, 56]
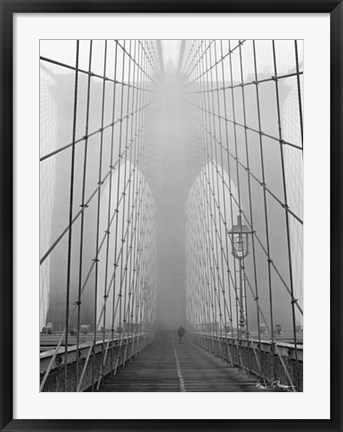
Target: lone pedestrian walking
[181, 332]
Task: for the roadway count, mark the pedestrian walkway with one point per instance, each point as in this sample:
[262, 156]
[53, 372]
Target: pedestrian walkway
[168, 366]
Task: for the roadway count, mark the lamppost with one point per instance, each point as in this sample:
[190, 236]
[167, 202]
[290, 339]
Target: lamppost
[240, 249]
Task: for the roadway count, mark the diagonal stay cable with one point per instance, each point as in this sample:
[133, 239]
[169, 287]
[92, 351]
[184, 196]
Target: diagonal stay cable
[84, 206]
[100, 130]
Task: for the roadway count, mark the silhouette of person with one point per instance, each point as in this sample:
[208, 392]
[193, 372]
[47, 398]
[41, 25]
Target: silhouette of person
[181, 332]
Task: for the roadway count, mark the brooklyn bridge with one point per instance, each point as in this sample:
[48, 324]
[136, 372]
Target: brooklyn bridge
[171, 195]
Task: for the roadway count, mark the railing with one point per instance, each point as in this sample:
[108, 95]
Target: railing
[270, 361]
[94, 362]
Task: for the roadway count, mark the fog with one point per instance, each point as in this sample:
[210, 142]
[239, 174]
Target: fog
[174, 169]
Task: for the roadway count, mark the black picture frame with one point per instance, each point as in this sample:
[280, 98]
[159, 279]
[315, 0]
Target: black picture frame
[8, 9]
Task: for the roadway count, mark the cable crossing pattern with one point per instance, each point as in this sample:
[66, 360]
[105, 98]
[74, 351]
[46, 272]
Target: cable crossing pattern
[247, 196]
[241, 114]
[105, 310]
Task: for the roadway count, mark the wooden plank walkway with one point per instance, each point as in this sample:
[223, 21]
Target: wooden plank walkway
[168, 366]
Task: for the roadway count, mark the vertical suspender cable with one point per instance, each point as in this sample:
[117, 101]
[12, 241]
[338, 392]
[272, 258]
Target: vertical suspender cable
[71, 203]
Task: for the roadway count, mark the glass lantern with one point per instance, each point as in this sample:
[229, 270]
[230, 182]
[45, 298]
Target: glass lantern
[239, 239]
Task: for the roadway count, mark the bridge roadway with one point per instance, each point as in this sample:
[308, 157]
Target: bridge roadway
[168, 366]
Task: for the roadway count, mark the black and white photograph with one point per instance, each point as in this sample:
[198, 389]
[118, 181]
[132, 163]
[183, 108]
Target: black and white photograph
[171, 215]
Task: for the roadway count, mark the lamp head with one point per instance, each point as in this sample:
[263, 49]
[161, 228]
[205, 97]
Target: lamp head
[239, 239]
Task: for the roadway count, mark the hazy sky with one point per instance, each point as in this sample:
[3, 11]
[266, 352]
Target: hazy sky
[171, 49]
[169, 173]
[64, 51]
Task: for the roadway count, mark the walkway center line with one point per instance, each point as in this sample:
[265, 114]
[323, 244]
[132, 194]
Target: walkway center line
[178, 367]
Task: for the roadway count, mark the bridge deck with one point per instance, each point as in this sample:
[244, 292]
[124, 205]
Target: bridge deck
[168, 366]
